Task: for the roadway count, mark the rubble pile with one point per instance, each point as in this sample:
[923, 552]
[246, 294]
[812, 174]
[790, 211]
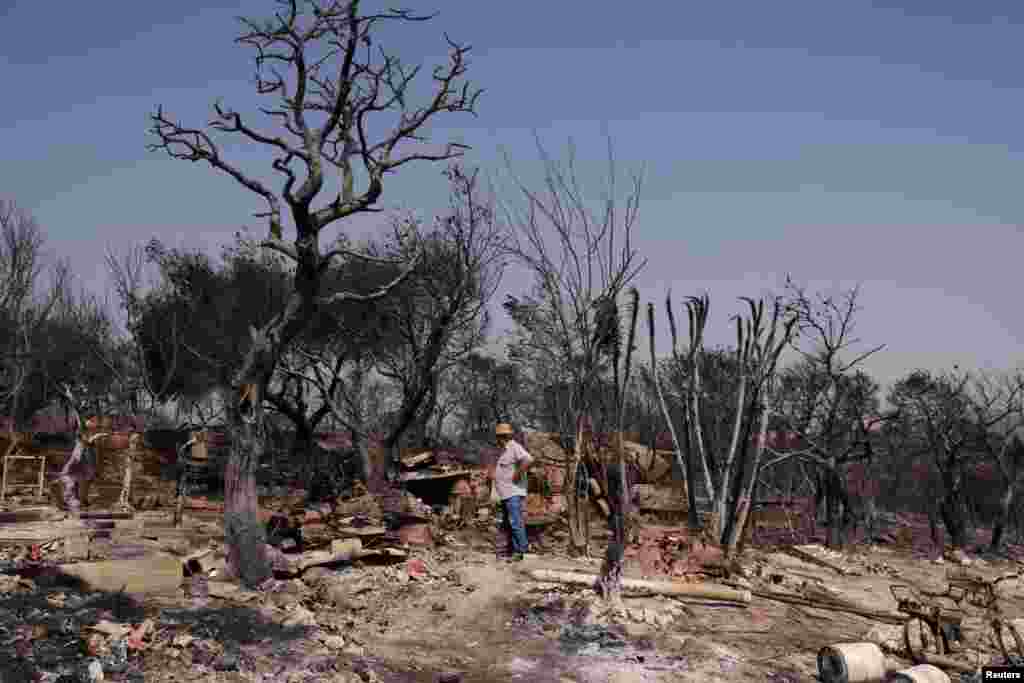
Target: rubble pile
[382, 574]
[436, 496]
[151, 487]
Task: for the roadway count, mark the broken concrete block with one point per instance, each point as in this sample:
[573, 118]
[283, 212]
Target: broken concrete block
[157, 574]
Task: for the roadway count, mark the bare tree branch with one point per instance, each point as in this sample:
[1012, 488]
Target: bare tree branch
[194, 145]
[380, 292]
[362, 256]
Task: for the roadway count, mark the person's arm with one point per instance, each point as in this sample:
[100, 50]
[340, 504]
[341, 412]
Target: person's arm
[523, 463]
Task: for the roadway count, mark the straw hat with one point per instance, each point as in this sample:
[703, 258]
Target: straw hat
[503, 429]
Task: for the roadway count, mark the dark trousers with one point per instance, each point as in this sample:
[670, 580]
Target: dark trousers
[512, 516]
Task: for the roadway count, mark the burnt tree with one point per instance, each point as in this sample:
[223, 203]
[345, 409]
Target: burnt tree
[441, 314]
[616, 481]
[581, 261]
[1002, 398]
[28, 322]
[949, 416]
[432, 321]
[343, 108]
[827, 401]
[729, 465]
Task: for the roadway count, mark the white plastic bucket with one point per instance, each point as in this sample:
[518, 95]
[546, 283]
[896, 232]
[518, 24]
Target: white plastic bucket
[851, 663]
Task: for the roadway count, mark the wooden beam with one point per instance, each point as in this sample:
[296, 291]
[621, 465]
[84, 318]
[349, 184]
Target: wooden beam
[696, 591]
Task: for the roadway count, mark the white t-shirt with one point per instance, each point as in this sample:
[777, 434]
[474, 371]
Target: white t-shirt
[505, 483]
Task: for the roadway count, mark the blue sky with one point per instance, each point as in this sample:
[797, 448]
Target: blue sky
[842, 142]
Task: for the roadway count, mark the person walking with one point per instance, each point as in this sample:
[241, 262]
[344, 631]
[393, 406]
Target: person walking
[510, 488]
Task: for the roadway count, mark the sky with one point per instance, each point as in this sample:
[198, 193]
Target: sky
[871, 142]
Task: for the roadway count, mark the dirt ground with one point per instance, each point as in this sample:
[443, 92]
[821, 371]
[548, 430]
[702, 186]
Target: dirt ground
[455, 612]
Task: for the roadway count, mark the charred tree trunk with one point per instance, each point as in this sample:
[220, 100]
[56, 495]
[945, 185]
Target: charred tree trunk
[837, 505]
[833, 535]
[575, 488]
[302, 451]
[952, 519]
[696, 435]
[1003, 520]
[302, 441]
[933, 526]
[362, 448]
[1007, 508]
[616, 472]
[820, 497]
[410, 414]
[953, 510]
[420, 428]
[832, 500]
[244, 534]
[609, 584]
[743, 468]
[690, 459]
[728, 486]
[304, 425]
[682, 458]
[745, 497]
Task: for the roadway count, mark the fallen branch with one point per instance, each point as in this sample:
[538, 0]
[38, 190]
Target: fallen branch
[674, 589]
[885, 617]
[801, 554]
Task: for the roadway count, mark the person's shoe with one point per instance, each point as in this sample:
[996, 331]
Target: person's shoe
[516, 557]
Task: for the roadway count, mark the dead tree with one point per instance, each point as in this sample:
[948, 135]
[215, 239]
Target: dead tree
[760, 356]
[24, 316]
[435, 319]
[759, 343]
[126, 271]
[947, 417]
[697, 310]
[580, 261]
[1002, 398]
[336, 91]
[80, 470]
[680, 448]
[758, 347]
[440, 315]
[609, 583]
[826, 400]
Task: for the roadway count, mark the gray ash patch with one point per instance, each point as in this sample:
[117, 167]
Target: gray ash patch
[591, 638]
[552, 610]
